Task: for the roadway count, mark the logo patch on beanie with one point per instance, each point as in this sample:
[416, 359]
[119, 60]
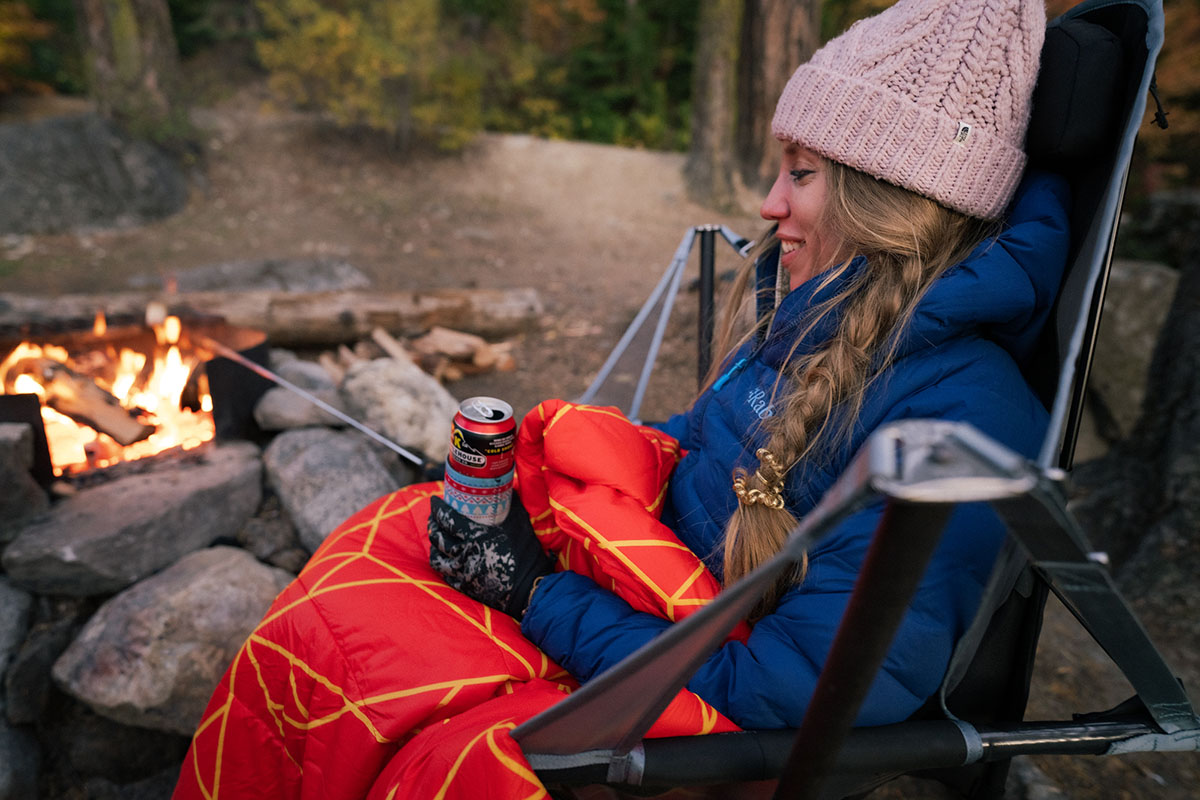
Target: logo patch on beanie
[964, 133]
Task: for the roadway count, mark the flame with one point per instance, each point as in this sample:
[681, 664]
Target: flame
[155, 392]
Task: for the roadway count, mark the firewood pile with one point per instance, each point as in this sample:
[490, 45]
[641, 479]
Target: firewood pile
[446, 354]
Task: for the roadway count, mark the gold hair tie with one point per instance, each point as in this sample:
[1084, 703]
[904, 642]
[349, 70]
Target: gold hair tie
[772, 495]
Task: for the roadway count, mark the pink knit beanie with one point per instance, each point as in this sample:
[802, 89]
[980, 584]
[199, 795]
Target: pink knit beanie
[931, 95]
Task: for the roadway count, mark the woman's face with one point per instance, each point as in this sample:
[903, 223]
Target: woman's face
[796, 202]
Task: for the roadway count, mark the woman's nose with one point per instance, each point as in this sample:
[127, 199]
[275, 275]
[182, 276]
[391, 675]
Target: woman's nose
[774, 205]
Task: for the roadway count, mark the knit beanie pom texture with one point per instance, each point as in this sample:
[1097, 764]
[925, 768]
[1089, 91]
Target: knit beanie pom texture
[931, 95]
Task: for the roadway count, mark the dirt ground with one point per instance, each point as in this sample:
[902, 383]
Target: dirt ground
[591, 227]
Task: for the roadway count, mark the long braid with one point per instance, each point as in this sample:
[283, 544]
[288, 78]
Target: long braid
[909, 241]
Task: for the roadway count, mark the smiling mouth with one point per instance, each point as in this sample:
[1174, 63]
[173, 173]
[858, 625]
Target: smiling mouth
[788, 247]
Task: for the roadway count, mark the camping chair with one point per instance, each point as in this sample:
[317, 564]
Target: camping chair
[1097, 70]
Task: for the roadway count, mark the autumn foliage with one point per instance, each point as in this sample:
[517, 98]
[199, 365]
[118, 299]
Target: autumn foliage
[378, 64]
[1171, 155]
[438, 71]
[18, 29]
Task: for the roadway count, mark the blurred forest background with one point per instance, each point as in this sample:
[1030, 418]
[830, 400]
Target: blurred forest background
[659, 74]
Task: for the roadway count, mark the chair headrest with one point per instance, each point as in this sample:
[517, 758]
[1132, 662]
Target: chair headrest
[1077, 100]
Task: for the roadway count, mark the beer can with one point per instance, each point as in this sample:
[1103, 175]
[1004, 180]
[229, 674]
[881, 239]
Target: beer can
[479, 467]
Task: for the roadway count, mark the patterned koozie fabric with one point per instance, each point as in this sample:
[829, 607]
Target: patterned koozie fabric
[371, 677]
[931, 95]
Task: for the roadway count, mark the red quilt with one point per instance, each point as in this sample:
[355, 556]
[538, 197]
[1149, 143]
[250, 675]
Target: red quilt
[370, 677]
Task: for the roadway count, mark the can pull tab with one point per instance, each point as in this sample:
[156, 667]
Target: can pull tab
[485, 411]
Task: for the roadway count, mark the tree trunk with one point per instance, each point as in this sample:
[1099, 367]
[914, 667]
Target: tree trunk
[709, 170]
[133, 65]
[777, 36]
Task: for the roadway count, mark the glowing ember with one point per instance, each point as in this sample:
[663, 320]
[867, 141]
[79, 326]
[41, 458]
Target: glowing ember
[150, 386]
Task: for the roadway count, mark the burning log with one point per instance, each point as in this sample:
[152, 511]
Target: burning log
[81, 399]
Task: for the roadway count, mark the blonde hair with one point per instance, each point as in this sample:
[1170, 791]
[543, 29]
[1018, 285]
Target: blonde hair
[908, 241]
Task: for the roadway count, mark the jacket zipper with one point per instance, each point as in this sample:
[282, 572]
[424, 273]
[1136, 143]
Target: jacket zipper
[730, 373]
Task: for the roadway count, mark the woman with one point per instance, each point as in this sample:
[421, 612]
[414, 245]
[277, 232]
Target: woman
[897, 293]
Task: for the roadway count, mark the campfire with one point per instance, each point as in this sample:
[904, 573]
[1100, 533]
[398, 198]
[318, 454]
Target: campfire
[115, 395]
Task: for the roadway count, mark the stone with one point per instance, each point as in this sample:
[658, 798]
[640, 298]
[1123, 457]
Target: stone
[15, 608]
[323, 476]
[22, 498]
[151, 656]
[281, 409]
[27, 683]
[1135, 307]
[106, 537]
[402, 470]
[79, 746]
[20, 763]
[100, 748]
[1027, 782]
[1165, 228]
[81, 172]
[307, 375]
[290, 560]
[156, 787]
[401, 401]
[269, 534]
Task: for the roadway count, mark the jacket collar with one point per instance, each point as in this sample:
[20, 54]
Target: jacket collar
[1003, 291]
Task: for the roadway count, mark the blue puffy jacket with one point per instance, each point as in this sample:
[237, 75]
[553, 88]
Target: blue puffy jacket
[959, 360]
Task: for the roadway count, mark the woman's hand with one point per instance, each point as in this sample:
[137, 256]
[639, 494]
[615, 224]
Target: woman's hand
[495, 564]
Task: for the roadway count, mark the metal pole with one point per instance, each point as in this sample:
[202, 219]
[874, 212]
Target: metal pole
[907, 535]
[660, 328]
[238, 358]
[708, 236]
[669, 281]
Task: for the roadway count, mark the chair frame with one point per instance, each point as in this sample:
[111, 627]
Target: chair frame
[922, 468]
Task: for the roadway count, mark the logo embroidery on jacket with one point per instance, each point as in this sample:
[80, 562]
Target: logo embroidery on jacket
[760, 404]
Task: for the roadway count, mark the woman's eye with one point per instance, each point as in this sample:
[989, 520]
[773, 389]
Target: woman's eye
[800, 174]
